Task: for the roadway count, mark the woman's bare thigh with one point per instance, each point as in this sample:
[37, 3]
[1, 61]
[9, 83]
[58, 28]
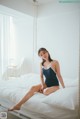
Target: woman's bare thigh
[50, 90]
[36, 88]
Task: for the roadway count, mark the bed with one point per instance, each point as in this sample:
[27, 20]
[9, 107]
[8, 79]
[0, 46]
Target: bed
[62, 104]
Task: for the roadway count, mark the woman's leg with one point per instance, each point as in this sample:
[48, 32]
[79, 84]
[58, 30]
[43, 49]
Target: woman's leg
[29, 94]
[50, 90]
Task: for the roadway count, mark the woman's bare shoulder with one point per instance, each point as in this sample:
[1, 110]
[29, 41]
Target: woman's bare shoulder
[54, 62]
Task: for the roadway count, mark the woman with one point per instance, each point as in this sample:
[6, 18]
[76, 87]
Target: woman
[51, 70]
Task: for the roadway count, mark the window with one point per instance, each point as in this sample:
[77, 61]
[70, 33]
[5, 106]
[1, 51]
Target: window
[7, 41]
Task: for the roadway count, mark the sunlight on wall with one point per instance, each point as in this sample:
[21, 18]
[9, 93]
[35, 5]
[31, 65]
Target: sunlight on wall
[12, 40]
[7, 42]
[12, 43]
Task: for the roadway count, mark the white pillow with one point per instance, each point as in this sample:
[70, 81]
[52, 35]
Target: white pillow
[25, 76]
[10, 72]
[70, 82]
[31, 79]
[65, 98]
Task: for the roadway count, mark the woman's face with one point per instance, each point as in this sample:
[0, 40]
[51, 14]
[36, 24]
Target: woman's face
[43, 55]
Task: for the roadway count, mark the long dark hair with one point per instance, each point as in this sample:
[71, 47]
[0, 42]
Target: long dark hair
[49, 57]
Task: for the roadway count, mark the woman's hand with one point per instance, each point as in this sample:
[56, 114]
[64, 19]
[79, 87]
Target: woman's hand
[42, 88]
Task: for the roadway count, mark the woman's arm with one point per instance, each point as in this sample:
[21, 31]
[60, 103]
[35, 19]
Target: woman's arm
[41, 76]
[57, 67]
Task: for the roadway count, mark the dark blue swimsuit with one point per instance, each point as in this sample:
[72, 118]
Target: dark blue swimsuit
[51, 78]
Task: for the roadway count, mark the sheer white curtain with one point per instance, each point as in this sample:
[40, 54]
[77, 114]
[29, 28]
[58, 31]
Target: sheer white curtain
[16, 39]
[7, 42]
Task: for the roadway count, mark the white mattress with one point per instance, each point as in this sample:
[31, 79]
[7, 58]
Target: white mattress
[39, 106]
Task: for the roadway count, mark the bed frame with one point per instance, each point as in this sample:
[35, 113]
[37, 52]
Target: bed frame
[16, 113]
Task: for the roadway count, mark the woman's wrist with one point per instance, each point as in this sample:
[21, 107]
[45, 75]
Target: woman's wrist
[42, 84]
[63, 86]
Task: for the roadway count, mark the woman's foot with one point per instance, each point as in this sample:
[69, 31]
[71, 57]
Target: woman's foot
[14, 108]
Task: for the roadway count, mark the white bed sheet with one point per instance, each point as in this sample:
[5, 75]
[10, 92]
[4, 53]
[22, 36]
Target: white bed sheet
[14, 89]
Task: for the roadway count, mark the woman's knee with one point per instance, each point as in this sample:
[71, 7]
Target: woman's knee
[45, 92]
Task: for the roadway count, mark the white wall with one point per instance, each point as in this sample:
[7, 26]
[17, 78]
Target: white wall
[58, 31]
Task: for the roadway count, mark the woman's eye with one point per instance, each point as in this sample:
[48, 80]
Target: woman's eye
[43, 52]
[40, 55]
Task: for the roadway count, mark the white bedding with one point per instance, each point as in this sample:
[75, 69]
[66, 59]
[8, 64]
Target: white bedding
[16, 87]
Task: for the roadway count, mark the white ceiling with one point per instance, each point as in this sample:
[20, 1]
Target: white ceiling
[40, 1]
